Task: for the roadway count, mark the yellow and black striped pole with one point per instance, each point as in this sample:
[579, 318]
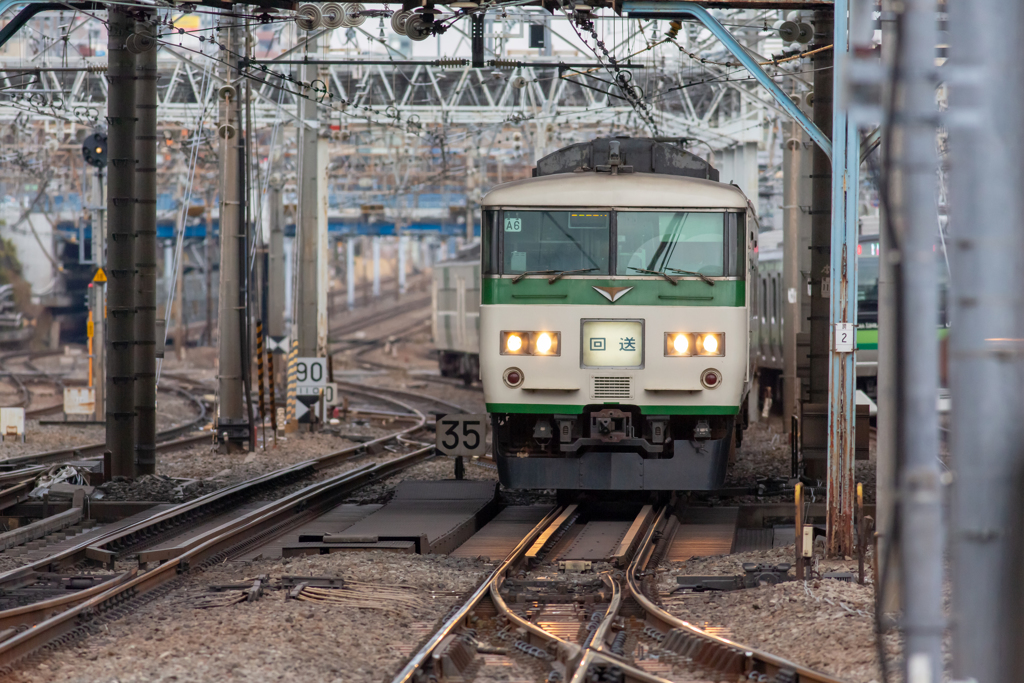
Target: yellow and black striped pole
[293, 355]
[272, 393]
[259, 376]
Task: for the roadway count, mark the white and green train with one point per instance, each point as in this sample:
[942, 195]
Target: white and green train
[614, 319]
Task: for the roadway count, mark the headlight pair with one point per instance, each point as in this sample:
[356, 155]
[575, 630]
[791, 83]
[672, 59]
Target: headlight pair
[694, 344]
[515, 343]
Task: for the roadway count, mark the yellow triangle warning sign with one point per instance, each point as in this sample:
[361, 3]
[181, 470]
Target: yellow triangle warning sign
[100, 276]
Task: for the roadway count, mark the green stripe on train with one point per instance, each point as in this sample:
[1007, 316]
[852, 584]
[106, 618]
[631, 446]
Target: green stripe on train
[551, 408]
[867, 338]
[535, 290]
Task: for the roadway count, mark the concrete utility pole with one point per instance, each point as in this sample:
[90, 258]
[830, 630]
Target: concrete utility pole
[208, 257]
[275, 268]
[814, 427]
[920, 498]
[987, 315]
[232, 424]
[311, 227]
[145, 251]
[121, 246]
[792, 161]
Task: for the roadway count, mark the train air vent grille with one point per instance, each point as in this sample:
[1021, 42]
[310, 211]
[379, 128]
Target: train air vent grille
[612, 388]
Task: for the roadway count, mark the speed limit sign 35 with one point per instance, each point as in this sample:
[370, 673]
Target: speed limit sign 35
[462, 434]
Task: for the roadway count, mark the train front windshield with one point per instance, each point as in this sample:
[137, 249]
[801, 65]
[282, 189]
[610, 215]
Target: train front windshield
[630, 243]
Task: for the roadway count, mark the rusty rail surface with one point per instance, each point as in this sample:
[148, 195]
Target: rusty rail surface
[213, 547]
[233, 536]
[718, 656]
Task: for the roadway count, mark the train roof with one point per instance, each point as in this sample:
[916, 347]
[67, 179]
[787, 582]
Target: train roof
[625, 190]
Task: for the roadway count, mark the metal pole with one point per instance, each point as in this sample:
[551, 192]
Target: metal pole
[470, 186]
[231, 422]
[121, 247]
[350, 272]
[403, 246]
[376, 265]
[985, 338]
[920, 500]
[178, 304]
[208, 270]
[791, 163]
[814, 423]
[307, 220]
[145, 257]
[842, 386]
[887, 434]
[99, 292]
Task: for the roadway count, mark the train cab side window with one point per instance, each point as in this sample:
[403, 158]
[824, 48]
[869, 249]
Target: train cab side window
[735, 245]
[489, 251]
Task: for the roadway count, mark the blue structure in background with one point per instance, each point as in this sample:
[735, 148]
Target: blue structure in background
[335, 227]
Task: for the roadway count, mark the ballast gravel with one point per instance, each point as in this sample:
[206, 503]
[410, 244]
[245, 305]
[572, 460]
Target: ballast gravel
[274, 638]
[824, 624]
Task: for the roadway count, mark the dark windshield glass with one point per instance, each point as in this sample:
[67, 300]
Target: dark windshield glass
[666, 240]
[867, 283]
[555, 240]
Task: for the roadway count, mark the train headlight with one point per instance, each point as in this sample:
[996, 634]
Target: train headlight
[711, 344]
[679, 344]
[545, 343]
[514, 343]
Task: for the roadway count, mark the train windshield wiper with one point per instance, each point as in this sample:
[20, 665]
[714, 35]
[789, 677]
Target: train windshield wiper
[519, 277]
[655, 272]
[559, 274]
[702, 276]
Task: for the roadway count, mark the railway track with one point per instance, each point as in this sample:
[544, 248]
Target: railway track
[607, 627]
[226, 533]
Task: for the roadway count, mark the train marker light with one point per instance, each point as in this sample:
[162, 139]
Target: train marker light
[513, 377]
[711, 378]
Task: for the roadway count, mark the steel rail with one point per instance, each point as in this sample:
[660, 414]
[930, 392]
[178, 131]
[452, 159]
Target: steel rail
[259, 524]
[109, 546]
[422, 656]
[575, 658]
[707, 650]
[30, 615]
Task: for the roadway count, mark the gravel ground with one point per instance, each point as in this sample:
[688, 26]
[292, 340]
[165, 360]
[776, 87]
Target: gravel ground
[172, 411]
[823, 624]
[765, 453]
[273, 639]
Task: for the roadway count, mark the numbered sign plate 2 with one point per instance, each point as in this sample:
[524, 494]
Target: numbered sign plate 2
[845, 337]
[462, 434]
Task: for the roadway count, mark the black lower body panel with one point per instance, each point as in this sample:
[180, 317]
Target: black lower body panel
[694, 466]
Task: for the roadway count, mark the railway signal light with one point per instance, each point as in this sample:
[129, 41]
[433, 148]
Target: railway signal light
[94, 150]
